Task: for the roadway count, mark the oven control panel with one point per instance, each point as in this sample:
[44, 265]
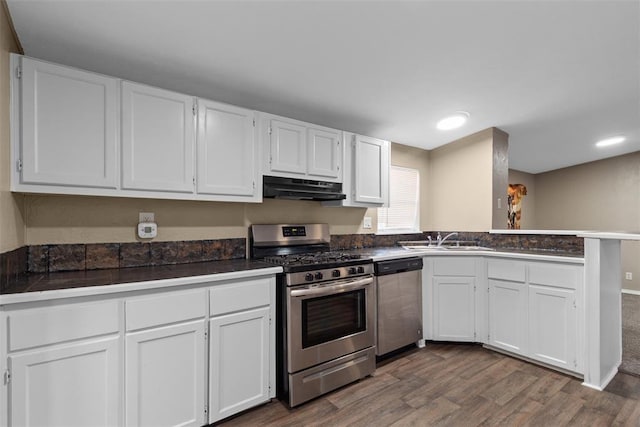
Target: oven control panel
[334, 273]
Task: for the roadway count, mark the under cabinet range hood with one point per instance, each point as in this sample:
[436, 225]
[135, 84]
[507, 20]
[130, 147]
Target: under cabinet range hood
[275, 187]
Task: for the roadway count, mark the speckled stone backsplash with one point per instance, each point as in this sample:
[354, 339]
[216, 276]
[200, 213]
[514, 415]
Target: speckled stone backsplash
[537, 242]
[12, 265]
[95, 256]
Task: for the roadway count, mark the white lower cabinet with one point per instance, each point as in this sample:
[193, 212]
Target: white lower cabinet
[454, 308]
[75, 384]
[451, 287]
[148, 359]
[534, 310]
[553, 326]
[239, 362]
[508, 315]
[165, 380]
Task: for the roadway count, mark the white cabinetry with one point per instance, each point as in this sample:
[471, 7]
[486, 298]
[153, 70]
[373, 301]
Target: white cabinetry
[227, 153]
[534, 309]
[64, 127]
[296, 149]
[453, 290]
[157, 139]
[165, 359]
[146, 357]
[366, 176]
[65, 365]
[241, 342]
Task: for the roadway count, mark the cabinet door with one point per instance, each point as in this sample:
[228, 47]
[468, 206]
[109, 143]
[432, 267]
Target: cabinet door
[239, 358]
[71, 385]
[288, 147]
[371, 170]
[508, 315]
[157, 139]
[454, 308]
[552, 326]
[226, 160]
[324, 154]
[165, 381]
[69, 126]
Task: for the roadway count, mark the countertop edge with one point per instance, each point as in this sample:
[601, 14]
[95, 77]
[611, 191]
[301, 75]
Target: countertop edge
[25, 297]
[492, 254]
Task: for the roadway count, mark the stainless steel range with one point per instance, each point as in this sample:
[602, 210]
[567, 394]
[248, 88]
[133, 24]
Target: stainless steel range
[326, 310]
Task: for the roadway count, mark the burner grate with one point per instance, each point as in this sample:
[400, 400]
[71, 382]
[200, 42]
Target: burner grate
[312, 258]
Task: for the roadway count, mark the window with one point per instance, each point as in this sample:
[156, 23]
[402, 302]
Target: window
[402, 215]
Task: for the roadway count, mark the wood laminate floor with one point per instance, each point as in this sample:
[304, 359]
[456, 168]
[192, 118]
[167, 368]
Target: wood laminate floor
[459, 385]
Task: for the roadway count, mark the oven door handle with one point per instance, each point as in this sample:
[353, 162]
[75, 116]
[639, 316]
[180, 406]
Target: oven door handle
[333, 289]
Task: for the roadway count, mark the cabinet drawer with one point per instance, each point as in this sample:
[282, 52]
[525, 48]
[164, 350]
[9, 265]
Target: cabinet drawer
[51, 325]
[560, 276]
[237, 296]
[171, 307]
[513, 271]
[450, 266]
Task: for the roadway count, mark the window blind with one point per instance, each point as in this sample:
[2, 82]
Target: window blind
[403, 212]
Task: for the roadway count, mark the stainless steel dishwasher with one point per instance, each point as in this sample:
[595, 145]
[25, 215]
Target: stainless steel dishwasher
[399, 289]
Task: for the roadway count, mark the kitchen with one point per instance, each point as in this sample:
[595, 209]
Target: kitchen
[87, 220]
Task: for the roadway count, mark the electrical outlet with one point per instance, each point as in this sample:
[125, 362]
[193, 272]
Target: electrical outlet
[628, 275]
[146, 217]
[366, 223]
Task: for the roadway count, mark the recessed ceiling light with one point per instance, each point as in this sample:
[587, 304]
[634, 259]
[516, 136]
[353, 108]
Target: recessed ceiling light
[453, 121]
[610, 141]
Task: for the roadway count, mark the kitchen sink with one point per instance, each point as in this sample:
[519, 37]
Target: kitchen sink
[425, 246]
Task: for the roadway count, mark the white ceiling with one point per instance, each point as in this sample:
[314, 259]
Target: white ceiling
[556, 75]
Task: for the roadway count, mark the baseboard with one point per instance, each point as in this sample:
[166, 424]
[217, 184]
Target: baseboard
[630, 291]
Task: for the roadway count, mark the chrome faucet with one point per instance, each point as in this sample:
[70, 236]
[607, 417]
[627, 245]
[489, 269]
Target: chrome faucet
[441, 239]
[429, 237]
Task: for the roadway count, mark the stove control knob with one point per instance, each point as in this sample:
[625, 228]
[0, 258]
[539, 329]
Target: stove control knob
[318, 276]
[352, 270]
[360, 270]
[335, 273]
[308, 277]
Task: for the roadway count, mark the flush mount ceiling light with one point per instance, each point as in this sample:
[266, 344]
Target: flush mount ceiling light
[453, 121]
[610, 141]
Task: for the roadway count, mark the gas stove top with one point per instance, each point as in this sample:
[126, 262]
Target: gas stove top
[315, 261]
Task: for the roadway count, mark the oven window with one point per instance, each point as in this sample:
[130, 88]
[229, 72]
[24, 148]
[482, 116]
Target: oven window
[331, 317]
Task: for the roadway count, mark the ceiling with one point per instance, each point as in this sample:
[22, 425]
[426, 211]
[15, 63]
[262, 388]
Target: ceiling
[556, 75]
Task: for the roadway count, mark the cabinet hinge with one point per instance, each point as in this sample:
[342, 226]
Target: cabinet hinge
[206, 409]
[574, 304]
[194, 108]
[575, 363]
[254, 122]
[269, 321]
[19, 165]
[270, 129]
[254, 185]
[19, 72]
[7, 377]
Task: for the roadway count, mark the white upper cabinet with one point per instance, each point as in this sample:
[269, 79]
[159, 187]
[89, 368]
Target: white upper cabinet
[366, 176]
[227, 153]
[157, 139]
[371, 170]
[296, 149]
[324, 157]
[288, 147]
[68, 127]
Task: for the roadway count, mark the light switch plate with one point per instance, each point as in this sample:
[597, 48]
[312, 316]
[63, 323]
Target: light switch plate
[628, 275]
[366, 223]
[146, 217]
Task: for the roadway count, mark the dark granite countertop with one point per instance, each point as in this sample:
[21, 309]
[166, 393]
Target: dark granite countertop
[397, 251]
[88, 278]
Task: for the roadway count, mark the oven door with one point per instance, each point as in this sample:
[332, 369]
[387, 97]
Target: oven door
[329, 320]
